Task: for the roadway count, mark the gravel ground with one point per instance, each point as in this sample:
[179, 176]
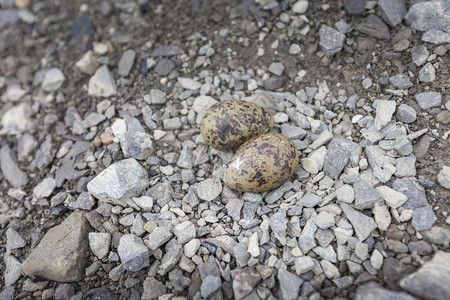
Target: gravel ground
[109, 191]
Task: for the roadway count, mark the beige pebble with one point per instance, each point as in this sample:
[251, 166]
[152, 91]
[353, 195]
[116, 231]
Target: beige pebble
[22, 3]
[107, 138]
[97, 141]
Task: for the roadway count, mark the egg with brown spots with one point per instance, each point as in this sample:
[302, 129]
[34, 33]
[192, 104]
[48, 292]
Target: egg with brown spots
[228, 124]
[262, 163]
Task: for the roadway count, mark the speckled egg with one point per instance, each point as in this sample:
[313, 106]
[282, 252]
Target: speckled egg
[262, 163]
[228, 124]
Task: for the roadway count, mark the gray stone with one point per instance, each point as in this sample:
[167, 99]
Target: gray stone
[234, 207]
[88, 63]
[437, 235]
[179, 281]
[244, 281]
[189, 83]
[406, 166]
[99, 243]
[444, 177]
[164, 66]
[412, 190]
[165, 50]
[277, 193]
[93, 119]
[119, 182]
[184, 232]
[278, 221]
[362, 224]
[374, 291]
[45, 154]
[53, 80]
[289, 284]
[423, 218]
[428, 100]
[185, 159]
[293, 132]
[336, 159]
[136, 144]
[436, 37]
[309, 200]
[172, 123]
[173, 251]
[153, 289]
[375, 27]
[401, 81]
[331, 40]
[84, 201]
[64, 291]
[162, 193]
[45, 188]
[14, 240]
[126, 62]
[133, 253]
[274, 83]
[13, 270]
[10, 168]
[330, 270]
[7, 293]
[208, 189]
[327, 253]
[430, 281]
[384, 111]
[306, 241]
[406, 114]
[429, 15]
[210, 285]
[158, 237]
[276, 68]
[392, 11]
[403, 145]
[419, 54]
[366, 196]
[102, 83]
[427, 73]
[17, 119]
[241, 254]
[61, 255]
[156, 97]
[324, 220]
[345, 193]
[420, 247]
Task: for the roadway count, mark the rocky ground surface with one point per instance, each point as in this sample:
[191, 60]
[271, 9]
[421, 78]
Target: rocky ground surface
[108, 190]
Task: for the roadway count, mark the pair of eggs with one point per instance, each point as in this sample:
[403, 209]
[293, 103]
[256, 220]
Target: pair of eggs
[262, 161]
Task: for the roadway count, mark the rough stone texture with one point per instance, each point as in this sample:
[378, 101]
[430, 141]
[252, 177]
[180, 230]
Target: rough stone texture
[430, 281]
[423, 218]
[393, 271]
[289, 284]
[336, 159]
[133, 253]
[13, 270]
[375, 27]
[209, 285]
[136, 144]
[17, 119]
[99, 243]
[374, 291]
[384, 111]
[153, 289]
[419, 54]
[428, 100]
[362, 224]
[53, 80]
[158, 237]
[60, 256]
[366, 196]
[244, 281]
[392, 11]
[102, 83]
[444, 177]
[184, 232]
[331, 40]
[119, 182]
[429, 15]
[126, 62]
[10, 168]
[208, 189]
[412, 190]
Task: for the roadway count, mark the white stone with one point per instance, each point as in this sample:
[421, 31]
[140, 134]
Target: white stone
[330, 270]
[87, 63]
[53, 80]
[300, 7]
[362, 251]
[158, 134]
[324, 220]
[189, 83]
[102, 83]
[119, 127]
[444, 177]
[303, 264]
[406, 215]
[376, 259]
[253, 247]
[384, 111]
[313, 164]
[44, 188]
[190, 249]
[345, 193]
[392, 198]
[100, 48]
[280, 117]
[382, 217]
[13, 93]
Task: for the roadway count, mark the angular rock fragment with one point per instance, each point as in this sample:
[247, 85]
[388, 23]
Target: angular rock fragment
[10, 168]
[61, 255]
[119, 182]
[102, 83]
